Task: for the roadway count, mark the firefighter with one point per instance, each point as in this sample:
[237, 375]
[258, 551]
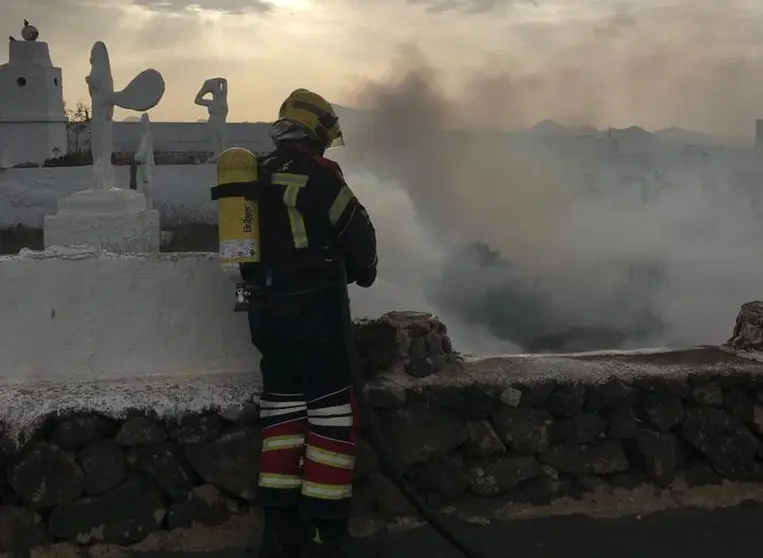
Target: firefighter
[308, 407]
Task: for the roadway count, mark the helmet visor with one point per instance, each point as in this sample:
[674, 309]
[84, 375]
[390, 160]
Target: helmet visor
[338, 139]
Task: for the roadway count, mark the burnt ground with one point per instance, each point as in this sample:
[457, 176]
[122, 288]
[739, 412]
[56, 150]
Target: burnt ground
[686, 533]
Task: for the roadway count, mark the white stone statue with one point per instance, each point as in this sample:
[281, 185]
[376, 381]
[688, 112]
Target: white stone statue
[145, 159]
[142, 93]
[217, 107]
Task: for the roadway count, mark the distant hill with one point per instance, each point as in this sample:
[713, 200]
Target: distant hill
[634, 136]
[632, 133]
[635, 139]
[549, 128]
[630, 138]
[687, 137]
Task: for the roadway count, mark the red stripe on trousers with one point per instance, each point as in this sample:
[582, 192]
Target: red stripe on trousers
[288, 428]
[282, 461]
[326, 474]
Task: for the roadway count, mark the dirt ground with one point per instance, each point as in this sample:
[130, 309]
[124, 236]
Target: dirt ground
[491, 519]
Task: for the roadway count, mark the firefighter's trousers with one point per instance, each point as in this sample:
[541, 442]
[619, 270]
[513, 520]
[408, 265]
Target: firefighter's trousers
[308, 409]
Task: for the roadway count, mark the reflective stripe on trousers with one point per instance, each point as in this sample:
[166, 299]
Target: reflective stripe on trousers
[308, 448]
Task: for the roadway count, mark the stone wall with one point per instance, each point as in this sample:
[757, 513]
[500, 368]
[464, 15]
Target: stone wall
[523, 428]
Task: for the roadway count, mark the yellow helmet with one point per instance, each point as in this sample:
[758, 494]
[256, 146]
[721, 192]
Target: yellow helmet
[315, 114]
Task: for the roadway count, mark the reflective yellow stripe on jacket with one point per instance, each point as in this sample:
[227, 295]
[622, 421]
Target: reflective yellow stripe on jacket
[293, 183]
[343, 198]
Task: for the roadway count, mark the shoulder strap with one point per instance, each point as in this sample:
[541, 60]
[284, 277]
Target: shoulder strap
[248, 190]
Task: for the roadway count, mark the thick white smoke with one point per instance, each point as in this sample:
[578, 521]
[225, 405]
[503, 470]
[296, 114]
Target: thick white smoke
[620, 251]
[412, 260]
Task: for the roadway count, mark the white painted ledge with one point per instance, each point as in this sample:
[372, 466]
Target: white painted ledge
[87, 314]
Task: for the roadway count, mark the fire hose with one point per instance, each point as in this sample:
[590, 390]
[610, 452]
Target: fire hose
[373, 431]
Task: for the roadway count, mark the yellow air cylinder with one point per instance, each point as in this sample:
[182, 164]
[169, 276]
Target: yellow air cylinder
[238, 218]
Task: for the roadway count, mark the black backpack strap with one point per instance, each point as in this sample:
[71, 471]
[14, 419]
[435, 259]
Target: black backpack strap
[234, 190]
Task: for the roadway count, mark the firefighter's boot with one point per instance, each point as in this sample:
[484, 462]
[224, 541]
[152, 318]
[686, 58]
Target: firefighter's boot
[285, 534]
[332, 540]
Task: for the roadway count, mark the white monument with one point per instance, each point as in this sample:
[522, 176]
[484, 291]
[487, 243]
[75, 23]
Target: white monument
[217, 107]
[115, 219]
[32, 117]
[144, 157]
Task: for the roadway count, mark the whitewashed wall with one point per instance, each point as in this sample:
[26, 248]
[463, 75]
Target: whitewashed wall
[80, 314]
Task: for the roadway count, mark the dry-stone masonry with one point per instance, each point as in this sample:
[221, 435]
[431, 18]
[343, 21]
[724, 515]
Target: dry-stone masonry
[748, 331]
[526, 429]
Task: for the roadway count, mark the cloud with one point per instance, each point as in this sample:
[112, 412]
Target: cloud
[69, 26]
[233, 7]
[463, 6]
[160, 32]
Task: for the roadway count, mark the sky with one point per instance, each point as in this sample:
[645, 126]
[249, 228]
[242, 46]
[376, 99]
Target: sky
[575, 56]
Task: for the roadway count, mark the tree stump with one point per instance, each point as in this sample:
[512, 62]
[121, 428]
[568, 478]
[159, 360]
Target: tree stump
[748, 331]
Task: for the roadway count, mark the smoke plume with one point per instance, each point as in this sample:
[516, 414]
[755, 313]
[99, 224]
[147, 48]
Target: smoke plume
[525, 243]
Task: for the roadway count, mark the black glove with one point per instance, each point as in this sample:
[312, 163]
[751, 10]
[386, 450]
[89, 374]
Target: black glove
[362, 277]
